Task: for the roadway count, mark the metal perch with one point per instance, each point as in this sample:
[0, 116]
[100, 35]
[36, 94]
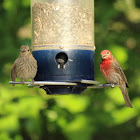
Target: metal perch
[42, 83]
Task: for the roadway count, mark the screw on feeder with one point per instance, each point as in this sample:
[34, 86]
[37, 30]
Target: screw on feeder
[61, 46]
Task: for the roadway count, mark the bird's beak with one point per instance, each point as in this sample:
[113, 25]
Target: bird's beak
[104, 56]
[22, 50]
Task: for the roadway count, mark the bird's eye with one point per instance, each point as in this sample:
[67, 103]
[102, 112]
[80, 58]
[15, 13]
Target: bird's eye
[28, 50]
[107, 53]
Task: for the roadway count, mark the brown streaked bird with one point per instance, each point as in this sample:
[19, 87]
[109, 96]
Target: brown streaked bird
[25, 66]
[114, 74]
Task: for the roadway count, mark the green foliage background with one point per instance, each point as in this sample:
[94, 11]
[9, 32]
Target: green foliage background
[30, 114]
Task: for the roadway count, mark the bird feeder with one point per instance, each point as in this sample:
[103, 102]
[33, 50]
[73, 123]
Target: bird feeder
[63, 44]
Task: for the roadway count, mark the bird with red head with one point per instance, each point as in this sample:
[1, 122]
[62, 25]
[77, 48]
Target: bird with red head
[114, 74]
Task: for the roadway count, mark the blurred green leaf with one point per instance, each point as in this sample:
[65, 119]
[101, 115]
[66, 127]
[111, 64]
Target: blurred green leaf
[73, 103]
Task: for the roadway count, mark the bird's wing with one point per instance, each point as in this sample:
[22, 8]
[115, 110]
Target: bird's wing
[13, 73]
[119, 70]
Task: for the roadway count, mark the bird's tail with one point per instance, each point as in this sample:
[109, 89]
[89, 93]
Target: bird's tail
[125, 95]
[13, 75]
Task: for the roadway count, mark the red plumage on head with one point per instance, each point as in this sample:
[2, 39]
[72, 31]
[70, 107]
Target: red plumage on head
[104, 52]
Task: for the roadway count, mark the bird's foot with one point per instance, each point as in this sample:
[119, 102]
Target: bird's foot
[13, 84]
[105, 85]
[22, 82]
[32, 82]
[112, 85]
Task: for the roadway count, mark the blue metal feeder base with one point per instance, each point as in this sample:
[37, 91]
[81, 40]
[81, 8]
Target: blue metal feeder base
[64, 66]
